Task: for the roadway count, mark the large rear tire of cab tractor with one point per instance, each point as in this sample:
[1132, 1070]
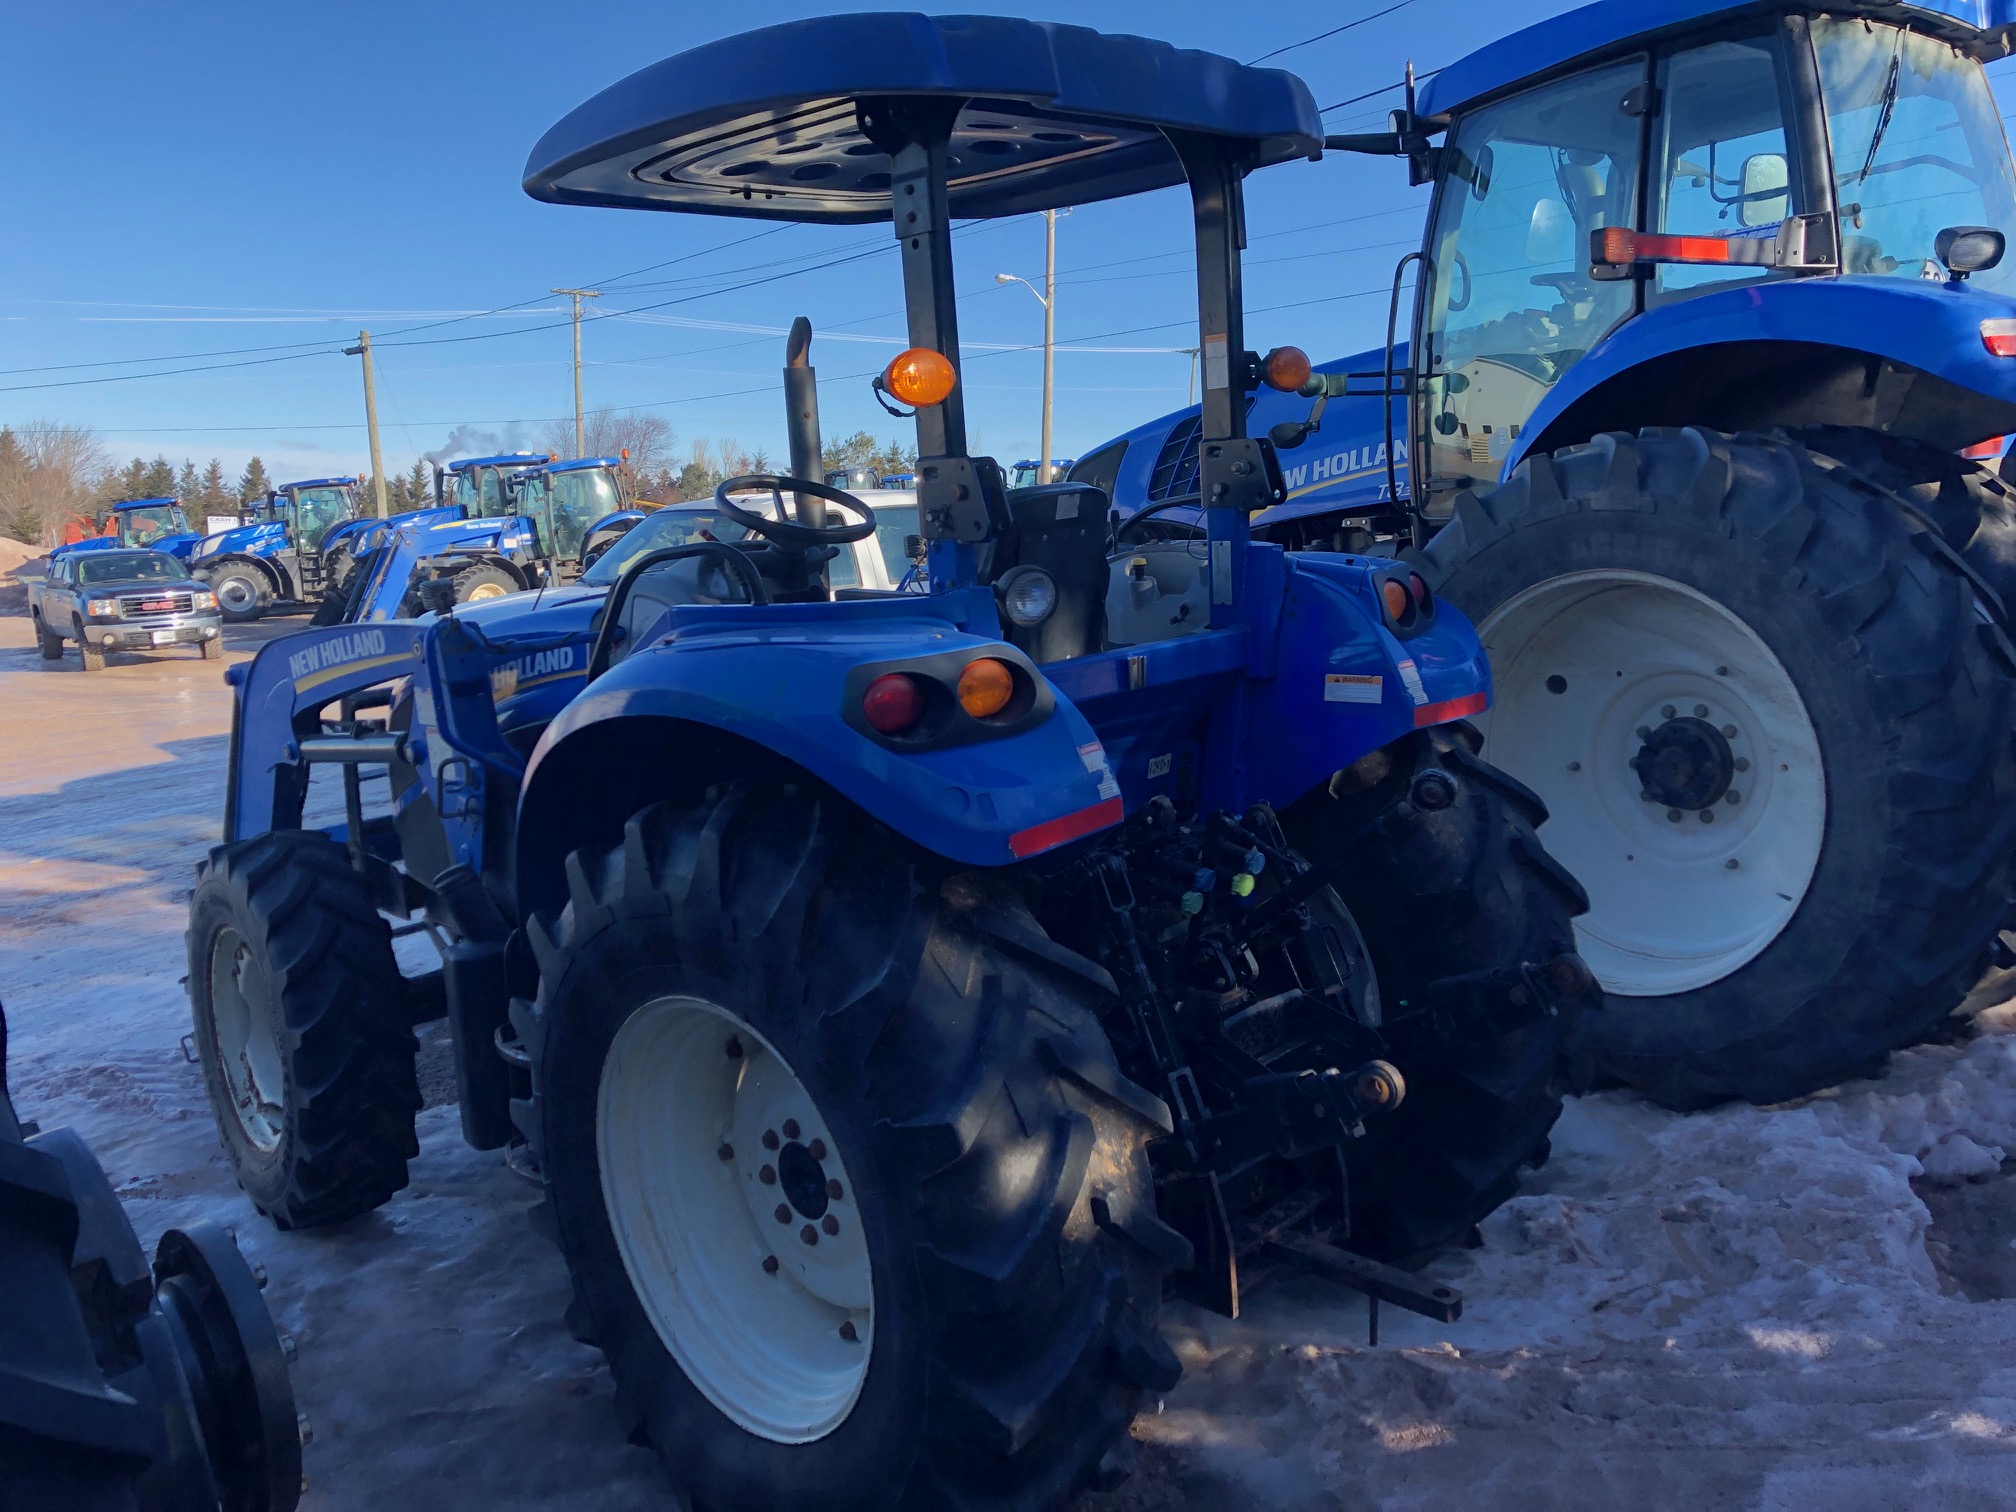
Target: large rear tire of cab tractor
[338, 602]
[1484, 1004]
[303, 1028]
[853, 1193]
[243, 590]
[1771, 714]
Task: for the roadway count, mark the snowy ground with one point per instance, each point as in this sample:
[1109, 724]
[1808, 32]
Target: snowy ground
[1802, 1308]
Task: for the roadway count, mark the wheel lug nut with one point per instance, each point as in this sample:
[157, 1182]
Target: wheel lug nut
[769, 1139]
[768, 1175]
[1732, 796]
[1700, 711]
[849, 1332]
[1644, 732]
[734, 1048]
[817, 1149]
[1731, 864]
[1707, 816]
[830, 1224]
[783, 1212]
[1721, 671]
[1728, 732]
[809, 1234]
[1742, 763]
[1673, 815]
[790, 1128]
[833, 1190]
[726, 1152]
[1667, 712]
[769, 1265]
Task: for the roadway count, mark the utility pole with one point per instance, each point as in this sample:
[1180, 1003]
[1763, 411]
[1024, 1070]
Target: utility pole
[363, 349]
[1047, 297]
[580, 425]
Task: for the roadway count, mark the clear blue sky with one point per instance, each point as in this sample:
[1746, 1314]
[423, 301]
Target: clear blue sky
[189, 179]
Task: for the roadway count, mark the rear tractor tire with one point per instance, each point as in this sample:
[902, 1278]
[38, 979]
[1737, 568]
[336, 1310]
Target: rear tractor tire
[302, 1028]
[853, 1193]
[243, 590]
[1484, 1004]
[1772, 721]
[485, 580]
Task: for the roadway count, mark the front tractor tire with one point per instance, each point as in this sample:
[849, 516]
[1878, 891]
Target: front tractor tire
[1773, 723]
[852, 1191]
[244, 592]
[302, 1028]
[484, 580]
[1484, 1004]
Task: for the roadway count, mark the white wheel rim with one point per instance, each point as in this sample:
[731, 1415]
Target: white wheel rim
[1583, 664]
[486, 591]
[691, 1100]
[236, 593]
[248, 1050]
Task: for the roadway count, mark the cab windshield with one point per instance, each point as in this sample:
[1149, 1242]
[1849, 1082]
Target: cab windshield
[142, 527]
[316, 510]
[579, 499]
[481, 491]
[130, 567]
[1918, 147]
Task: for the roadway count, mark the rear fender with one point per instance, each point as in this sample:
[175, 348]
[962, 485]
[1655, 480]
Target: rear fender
[1346, 684]
[771, 688]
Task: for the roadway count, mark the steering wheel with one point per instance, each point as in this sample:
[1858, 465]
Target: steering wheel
[1573, 287]
[789, 533]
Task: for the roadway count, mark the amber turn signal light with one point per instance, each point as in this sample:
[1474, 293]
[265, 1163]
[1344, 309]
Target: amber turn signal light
[1287, 369]
[985, 687]
[1399, 607]
[920, 378]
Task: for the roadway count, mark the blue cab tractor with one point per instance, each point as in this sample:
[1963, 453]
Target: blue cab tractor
[1711, 301]
[1026, 474]
[892, 992]
[287, 551]
[154, 524]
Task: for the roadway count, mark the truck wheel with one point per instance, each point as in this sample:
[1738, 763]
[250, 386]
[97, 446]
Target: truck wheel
[93, 657]
[485, 580]
[1469, 923]
[854, 1194]
[242, 588]
[302, 1028]
[1774, 729]
[51, 642]
[213, 649]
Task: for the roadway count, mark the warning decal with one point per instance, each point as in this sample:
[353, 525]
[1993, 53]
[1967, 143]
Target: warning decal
[1349, 687]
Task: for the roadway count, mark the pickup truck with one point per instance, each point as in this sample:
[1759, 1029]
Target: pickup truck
[114, 600]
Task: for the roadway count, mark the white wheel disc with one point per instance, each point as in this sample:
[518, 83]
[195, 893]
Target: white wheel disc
[484, 591]
[237, 594]
[1596, 671]
[736, 1219]
[248, 1048]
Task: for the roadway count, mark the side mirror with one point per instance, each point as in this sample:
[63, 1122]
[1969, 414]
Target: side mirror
[1290, 434]
[1767, 180]
[1964, 250]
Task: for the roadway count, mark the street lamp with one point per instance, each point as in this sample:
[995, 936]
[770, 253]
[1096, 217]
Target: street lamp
[1046, 297]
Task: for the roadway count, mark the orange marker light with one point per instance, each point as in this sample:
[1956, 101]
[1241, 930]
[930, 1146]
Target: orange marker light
[1398, 604]
[985, 687]
[1287, 369]
[920, 378]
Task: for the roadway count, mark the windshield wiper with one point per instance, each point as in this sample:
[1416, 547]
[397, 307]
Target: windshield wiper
[1886, 111]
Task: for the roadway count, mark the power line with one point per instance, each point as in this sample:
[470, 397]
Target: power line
[1334, 31]
[1373, 94]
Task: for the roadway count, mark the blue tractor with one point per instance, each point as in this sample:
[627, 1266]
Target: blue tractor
[890, 992]
[288, 550]
[156, 524]
[1714, 336]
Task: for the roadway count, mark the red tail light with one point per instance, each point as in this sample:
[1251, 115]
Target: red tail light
[1418, 585]
[893, 703]
[1999, 336]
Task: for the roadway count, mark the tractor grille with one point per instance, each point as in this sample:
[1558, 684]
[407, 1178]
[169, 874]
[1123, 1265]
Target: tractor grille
[140, 605]
[1175, 474]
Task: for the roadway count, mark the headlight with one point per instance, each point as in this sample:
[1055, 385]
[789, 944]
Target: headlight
[1028, 596]
[102, 606]
[203, 601]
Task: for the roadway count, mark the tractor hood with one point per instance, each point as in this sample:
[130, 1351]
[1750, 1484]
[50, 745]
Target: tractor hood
[262, 539]
[1981, 28]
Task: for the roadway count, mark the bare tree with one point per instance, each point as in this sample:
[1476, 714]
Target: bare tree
[648, 438]
[50, 474]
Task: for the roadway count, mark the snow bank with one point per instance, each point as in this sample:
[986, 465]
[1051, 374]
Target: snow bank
[13, 553]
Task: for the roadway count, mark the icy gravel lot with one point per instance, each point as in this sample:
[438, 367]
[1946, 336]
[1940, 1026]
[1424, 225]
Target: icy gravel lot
[1808, 1307]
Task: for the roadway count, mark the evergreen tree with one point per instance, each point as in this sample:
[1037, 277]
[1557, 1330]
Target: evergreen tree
[159, 479]
[419, 485]
[253, 485]
[214, 491]
[130, 482]
[189, 487]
